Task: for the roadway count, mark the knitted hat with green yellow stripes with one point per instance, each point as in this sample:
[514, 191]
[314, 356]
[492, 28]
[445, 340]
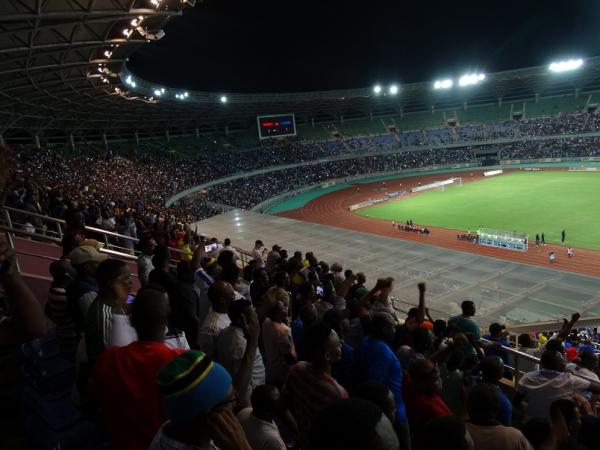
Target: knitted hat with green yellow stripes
[191, 385]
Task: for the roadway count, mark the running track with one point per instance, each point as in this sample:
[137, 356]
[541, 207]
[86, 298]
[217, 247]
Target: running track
[332, 209]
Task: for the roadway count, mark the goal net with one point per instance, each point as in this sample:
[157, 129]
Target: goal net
[438, 185]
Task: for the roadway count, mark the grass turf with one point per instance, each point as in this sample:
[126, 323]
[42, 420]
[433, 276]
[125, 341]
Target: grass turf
[530, 202]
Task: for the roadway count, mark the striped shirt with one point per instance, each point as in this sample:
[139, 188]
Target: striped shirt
[59, 314]
[97, 329]
[309, 392]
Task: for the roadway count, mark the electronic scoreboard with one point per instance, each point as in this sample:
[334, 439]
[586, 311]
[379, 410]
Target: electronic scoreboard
[275, 126]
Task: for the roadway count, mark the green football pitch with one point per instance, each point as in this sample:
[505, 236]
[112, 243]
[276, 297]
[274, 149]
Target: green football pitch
[530, 202]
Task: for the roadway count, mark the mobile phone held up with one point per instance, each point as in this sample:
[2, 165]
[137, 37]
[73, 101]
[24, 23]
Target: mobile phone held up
[130, 299]
[210, 247]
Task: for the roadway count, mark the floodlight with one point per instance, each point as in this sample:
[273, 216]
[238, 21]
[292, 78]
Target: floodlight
[566, 66]
[377, 89]
[223, 99]
[393, 89]
[133, 84]
[162, 90]
[471, 79]
[186, 94]
[443, 84]
[157, 92]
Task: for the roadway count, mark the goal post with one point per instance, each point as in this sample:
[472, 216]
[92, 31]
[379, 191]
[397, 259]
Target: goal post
[449, 183]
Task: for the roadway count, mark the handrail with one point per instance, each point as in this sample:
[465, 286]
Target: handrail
[515, 352]
[110, 233]
[86, 228]
[25, 233]
[41, 216]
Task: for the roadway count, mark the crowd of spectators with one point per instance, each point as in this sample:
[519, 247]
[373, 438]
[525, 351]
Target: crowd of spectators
[114, 191]
[292, 352]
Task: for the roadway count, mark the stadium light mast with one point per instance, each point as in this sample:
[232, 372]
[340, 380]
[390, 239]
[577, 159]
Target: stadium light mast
[566, 65]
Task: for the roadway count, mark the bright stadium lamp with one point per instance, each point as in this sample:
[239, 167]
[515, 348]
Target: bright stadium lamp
[393, 89]
[471, 79]
[157, 92]
[223, 99]
[377, 89]
[566, 65]
[443, 84]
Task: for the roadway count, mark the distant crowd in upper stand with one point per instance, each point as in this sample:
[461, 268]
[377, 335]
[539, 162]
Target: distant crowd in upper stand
[113, 192]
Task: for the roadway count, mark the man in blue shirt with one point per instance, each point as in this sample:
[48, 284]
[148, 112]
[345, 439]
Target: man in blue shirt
[467, 325]
[492, 370]
[497, 336]
[375, 360]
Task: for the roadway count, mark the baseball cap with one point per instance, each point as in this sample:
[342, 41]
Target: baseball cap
[259, 242]
[496, 328]
[276, 248]
[85, 254]
[92, 243]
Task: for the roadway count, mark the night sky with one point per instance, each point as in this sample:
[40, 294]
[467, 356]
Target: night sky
[302, 45]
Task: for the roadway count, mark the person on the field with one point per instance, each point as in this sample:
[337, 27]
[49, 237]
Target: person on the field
[563, 235]
[543, 239]
[537, 239]
[552, 257]
[393, 224]
[570, 252]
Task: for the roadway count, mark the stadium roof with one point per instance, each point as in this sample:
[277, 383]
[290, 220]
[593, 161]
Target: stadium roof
[63, 71]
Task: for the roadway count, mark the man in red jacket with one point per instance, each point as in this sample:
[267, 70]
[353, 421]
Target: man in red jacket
[422, 398]
[123, 381]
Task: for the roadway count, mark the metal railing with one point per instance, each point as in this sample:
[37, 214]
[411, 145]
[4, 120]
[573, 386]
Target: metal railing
[46, 234]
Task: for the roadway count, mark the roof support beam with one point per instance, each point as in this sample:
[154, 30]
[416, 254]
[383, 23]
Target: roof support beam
[62, 66]
[82, 15]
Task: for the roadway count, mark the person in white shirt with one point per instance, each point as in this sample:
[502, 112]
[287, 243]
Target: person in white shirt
[227, 246]
[587, 366]
[231, 346]
[144, 262]
[220, 295]
[257, 253]
[540, 388]
[244, 283]
[258, 421]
